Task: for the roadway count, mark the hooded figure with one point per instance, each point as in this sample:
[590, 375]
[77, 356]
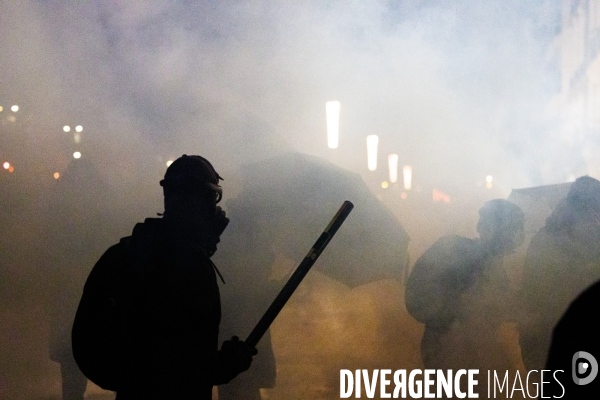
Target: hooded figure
[148, 321]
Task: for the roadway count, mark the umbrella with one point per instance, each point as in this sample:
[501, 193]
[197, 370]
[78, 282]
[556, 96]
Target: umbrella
[538, 202]
[291, 198]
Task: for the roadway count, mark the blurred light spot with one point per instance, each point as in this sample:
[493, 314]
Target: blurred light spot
[79, 128]
[77, 155]
[14, 108]
[489, 179]
[11, 118]
[488, 185]
[169, 163]
[403, 195]
[393, 166]
[6, 165]
[384, 184]
[66, 128]
[332, 109]
[11, 169]
[77, 138]
[372, 141]
[56, 175]
[1, 108]
[439, 196]
[407, 175]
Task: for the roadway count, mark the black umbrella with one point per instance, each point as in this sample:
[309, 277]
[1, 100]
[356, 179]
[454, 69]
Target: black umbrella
[289, 198]
[538, 202]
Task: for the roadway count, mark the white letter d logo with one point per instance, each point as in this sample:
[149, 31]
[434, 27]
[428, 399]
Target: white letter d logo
[581, 367]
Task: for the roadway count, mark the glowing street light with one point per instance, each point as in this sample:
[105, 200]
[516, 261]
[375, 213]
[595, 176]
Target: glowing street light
[77, 155]
[372, 141]
[6, 165]
[56, 175]
[169, 163]
[14, 108]
[407, 174]
[393, 165]
[67, 128]
[1, 108]
[332, 109]
[79, 128]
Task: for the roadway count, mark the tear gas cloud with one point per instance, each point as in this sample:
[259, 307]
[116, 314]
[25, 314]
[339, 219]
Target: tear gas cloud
[458, 90]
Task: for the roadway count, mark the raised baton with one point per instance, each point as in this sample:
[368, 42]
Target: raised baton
[291, 285]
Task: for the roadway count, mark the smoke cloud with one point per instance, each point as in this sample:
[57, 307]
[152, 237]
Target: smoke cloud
[459, 90]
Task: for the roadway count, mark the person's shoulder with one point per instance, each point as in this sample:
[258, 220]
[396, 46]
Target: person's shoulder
[114, 255]
[119, 249]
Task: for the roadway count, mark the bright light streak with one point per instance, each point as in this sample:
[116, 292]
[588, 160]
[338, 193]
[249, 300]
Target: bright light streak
[14, 108]
[393, 165]
[332, 109]
[56, 175]
[169, 163]
[77, 137]
[384, 184]
[6, 165]
[79, 128]
[407, 174]
[489, 179]
[77, 155]
[67, 128]
[372, 141]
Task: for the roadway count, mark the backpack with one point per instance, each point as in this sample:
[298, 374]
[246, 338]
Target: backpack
[97, 328]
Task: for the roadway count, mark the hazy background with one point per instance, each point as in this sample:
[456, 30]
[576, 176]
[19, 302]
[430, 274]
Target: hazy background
[459, 90]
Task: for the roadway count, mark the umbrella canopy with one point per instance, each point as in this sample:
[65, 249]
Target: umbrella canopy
[292, 197]
[538, 202]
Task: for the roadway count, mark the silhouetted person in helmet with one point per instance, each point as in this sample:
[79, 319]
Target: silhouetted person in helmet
[459, 290]
[148, 321]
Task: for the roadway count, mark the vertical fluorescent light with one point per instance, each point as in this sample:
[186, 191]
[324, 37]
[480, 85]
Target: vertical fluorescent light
[372, 141]
[407, 172]
[393, 165]
[332, 108]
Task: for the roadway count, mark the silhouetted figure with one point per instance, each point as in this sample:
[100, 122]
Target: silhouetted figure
[460, 291]
[148, 321]
[577, 331]
[562, 260]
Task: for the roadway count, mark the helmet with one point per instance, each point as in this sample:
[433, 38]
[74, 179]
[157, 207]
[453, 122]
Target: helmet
[191, 175]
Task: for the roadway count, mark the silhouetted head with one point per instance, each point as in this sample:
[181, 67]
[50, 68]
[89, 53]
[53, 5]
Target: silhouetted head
[500, 226]
[192, 191]
[584, 194]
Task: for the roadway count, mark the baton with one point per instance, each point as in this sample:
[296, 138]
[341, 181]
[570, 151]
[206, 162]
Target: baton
[291, 285]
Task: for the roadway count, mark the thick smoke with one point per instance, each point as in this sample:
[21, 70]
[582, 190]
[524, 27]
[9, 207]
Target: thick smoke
[458, 89]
